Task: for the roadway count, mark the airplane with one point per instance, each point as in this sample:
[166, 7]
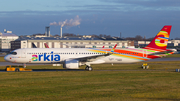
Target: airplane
[46, 46]
[73, 58]
[33, 45]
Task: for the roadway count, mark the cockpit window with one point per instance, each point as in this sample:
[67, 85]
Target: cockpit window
[13, 53]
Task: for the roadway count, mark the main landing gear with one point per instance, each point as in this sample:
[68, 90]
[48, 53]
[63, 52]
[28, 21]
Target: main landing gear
[88, 68]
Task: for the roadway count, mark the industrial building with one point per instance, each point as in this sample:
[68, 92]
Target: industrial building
[70, 42]
[141, 43]
[5, 41]
[174, 43]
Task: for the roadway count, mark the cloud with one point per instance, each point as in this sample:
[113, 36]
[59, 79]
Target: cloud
[139, 5]
[95, 7]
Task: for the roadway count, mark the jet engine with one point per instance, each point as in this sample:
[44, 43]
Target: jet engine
[71, 64]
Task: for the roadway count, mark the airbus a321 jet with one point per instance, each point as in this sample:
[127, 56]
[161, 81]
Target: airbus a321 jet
[73, 58]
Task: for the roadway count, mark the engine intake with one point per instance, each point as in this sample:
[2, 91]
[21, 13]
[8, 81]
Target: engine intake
[71, 64]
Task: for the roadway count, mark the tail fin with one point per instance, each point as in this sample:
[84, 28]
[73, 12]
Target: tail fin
[46, 46]
[112, 50]
[161, 39]
[33, 45]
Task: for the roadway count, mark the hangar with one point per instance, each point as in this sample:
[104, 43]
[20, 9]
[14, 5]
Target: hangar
[70, 42]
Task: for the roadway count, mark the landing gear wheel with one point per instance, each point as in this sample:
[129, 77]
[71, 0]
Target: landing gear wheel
[88, 68]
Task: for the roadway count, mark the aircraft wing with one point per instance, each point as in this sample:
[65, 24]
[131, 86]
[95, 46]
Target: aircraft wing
[91, 58]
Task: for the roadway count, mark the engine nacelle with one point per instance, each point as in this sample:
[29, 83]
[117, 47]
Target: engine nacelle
[71, 64]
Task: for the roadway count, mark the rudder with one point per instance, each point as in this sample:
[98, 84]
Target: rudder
[161, 39]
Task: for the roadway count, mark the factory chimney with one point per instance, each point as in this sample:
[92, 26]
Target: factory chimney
[61, 33]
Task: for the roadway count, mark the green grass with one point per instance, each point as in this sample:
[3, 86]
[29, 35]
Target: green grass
[159, 65]
[91, 86]
[2, 59]
[140, 85]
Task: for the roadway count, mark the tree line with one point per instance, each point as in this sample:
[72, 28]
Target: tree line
[136, 38]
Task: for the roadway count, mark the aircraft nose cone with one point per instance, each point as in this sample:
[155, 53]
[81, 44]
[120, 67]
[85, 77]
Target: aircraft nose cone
[6, 58]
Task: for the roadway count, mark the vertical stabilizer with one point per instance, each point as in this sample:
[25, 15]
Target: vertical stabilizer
[33, 45]
[161, 39]
[46, 46]
[112, 50]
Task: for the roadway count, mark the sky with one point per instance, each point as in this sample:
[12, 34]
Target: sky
[87, 17]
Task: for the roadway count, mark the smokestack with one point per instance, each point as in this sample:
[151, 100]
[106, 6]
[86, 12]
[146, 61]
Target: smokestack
[47, 32]
[61, 32]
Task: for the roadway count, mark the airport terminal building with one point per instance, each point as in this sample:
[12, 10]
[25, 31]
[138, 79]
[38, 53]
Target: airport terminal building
[70, 42]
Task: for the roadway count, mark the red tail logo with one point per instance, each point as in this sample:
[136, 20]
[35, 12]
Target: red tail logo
[161, 39]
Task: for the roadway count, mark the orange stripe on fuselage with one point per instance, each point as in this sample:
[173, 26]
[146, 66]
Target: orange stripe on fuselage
[130, 52]
[124, 53]
[137, 54]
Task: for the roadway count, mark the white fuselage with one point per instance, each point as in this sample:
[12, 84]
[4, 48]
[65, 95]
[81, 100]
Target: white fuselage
[59, 55]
